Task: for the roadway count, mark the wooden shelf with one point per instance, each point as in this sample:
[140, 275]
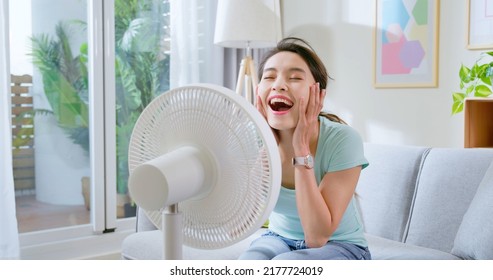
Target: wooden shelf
[478, 123]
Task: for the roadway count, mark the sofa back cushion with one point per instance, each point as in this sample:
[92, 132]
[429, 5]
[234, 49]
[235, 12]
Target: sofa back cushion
[386, 187]
[446, 185]
[474, 239]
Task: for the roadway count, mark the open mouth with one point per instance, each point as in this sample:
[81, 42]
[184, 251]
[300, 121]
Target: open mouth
[278, 104]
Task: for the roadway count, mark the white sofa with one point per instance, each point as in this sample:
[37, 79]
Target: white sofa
[416, 203]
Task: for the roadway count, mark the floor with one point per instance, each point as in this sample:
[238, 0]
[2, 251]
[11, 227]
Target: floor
[33, 215]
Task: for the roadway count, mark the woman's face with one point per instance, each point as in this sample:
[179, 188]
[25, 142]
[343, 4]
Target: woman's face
[286, 78]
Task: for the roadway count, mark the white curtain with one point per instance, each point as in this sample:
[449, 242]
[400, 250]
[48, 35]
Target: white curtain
[194, 57]
[9, 238]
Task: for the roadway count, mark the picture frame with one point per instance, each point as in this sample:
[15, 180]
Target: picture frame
[406, 43]
[479, 24]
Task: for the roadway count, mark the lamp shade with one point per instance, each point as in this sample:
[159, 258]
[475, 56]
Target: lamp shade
[247, 23]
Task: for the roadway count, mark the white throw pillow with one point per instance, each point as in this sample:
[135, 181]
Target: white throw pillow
[474, 238]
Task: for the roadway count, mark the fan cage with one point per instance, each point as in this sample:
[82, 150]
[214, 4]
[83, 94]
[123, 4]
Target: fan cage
[223, 124]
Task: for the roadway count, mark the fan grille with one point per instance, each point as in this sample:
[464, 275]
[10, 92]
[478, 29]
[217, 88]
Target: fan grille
[214, 119]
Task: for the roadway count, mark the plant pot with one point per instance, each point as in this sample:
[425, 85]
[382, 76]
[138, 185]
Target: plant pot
[121, 200]
[59, 165]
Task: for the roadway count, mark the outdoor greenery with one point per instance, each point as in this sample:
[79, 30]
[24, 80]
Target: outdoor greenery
[65, 82]
[474, 81]
[141, 73]
[142, 68]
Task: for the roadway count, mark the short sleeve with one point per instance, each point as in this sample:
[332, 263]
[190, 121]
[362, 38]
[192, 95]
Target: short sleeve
[340, 147]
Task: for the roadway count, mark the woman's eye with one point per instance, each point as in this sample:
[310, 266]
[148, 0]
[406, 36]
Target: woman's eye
[296, 78]
[268, 77]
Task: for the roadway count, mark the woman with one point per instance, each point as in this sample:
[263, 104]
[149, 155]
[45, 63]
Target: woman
[322, 157]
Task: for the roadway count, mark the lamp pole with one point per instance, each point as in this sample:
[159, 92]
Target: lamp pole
[247, 77]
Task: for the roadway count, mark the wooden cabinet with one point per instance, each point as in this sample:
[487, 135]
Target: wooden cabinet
[478, 123]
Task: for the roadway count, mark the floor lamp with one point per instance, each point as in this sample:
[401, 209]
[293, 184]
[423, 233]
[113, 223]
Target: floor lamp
[247, 24]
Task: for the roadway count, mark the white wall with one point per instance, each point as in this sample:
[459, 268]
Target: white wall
[20, 30]
[341, 31]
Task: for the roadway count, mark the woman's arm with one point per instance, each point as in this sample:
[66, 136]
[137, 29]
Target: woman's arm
[321, 207]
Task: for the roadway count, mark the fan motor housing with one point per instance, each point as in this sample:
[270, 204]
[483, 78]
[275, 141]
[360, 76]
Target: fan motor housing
[176, 176]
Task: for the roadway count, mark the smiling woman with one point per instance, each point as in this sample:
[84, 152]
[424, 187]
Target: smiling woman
[315, 216]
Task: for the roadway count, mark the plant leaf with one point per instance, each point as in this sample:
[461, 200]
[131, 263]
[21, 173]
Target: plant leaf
[458, 102]
[457, 107]
[464, 74]
[482, 91]
[475, 72]
[132, 31]
[486, 80]
[458, 96]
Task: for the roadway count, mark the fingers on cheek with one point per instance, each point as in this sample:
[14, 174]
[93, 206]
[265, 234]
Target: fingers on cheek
[322, 99]
[303, 106]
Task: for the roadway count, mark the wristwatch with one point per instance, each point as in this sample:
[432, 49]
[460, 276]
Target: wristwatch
[306, 161]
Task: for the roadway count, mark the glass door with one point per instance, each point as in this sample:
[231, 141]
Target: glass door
[82, 72]
[51, 109]
[142, 50]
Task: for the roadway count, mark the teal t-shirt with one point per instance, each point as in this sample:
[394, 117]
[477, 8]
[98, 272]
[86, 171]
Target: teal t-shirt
[339, 147]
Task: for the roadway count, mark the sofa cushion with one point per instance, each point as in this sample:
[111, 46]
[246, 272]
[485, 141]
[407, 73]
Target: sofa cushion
[148, 245]
[386, 187]
[386, 249]
[474, 239]
[446, 186]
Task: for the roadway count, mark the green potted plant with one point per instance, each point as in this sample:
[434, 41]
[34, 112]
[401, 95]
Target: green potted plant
[65, 86]
[65, 82]
[475, 81]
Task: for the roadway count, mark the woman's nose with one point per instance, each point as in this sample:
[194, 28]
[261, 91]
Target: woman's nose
[279, 85]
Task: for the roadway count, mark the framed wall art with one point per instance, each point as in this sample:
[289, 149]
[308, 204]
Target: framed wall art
[406, 43]
[480, 24]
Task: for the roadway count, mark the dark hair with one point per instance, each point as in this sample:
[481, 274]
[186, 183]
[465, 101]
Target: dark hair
[307, 53]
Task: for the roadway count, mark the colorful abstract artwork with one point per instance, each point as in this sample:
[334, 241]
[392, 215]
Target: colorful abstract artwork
[406, 33]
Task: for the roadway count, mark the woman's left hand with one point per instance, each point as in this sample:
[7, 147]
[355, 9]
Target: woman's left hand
[308, 119]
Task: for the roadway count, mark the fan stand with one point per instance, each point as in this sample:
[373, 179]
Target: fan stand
[172, 233]
[248, 75]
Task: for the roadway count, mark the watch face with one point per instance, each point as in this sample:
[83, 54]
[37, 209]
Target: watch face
[309, 161]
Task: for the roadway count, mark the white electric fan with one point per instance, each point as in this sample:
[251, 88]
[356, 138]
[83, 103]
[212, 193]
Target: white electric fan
[204, 166]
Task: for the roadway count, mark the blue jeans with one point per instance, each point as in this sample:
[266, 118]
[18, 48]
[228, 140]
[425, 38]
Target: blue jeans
[272, 246]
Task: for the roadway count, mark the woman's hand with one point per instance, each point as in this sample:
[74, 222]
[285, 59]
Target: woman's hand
[308, 120]
[260, 107]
